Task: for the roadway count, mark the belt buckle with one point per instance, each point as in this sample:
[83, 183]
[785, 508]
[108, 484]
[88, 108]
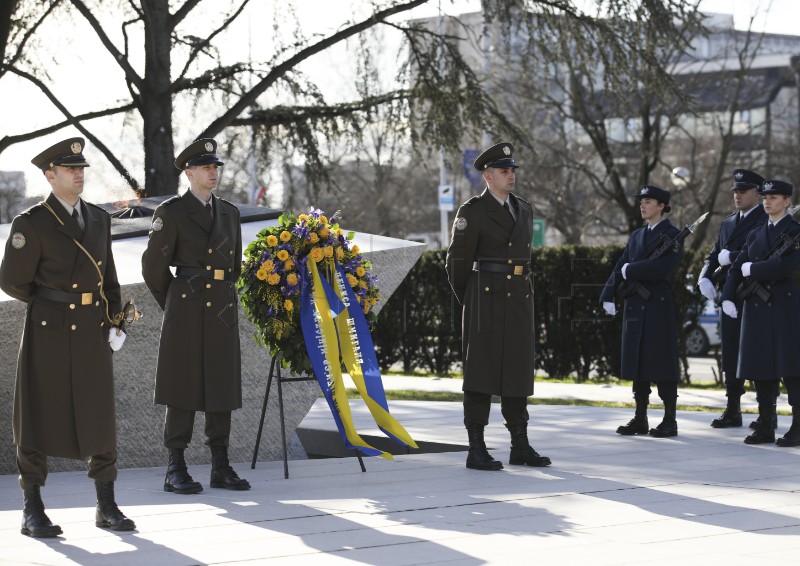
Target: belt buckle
[518, 270]
[219, 274]
[86, 298]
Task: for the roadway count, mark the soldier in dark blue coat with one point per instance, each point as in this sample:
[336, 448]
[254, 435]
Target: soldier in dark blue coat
[768, 348]
[733, 232]
[488, 266]
[649, 327]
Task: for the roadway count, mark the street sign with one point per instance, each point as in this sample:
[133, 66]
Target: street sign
[538, 233]
[446, 198]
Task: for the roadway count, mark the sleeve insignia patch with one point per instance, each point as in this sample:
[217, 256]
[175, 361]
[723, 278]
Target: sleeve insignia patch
[461, 223]
[18, 240]
[158, 224]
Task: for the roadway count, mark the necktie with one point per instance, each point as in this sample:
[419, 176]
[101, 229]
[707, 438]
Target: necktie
[770, 232]
[738, 217]
[77, 218]
[508, 209]
[210, 210]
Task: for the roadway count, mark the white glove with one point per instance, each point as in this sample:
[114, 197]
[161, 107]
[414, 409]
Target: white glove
[707, 288]
[746, 268]
[114, 340]
[729, 308]
[610, 308]
[624, 269]
[724, 257]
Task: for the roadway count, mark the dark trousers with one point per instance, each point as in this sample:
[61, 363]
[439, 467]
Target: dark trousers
[32, 466]
[768, 389]
[734, 387]
[477, 405]
[667, 390]
[179, 423]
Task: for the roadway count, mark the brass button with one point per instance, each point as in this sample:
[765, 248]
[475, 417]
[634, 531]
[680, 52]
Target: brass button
[208, 268]
[509, 262]
[230, 252]
[230, 269]
[100, 262]
[486, 289]
[509, 244]
[508, 295]
[527, 295]
[208, 285]
[98, 283]
[97, 303]
[208, 304]
[44, 323]
[74, 285]
[102, 324]
[210, 250]
[529, 245]
[183, 295]
[74, 327]
[72, 307]
[508, 277]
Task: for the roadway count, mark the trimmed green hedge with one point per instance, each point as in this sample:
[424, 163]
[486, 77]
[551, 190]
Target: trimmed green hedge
[419, 326]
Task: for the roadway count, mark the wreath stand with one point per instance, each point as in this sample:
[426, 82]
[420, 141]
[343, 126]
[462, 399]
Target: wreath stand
[281, 380]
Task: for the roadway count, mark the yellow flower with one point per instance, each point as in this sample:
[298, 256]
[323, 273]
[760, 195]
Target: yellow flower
[323, 219]
[339, 232]
[355, 249]
[352, 280]
[262, 274]
[324, 231]
[272, 241]
[360, 271]
[286, 236]
[366, 308]
[339, 253]
[362, 284]
[316, 254]
[313, 237]
[268, 266]
[328, 250]
[288, 305]
[291, 279]
[288, 265]
[302, 217]
[283, 255]
[273, 279]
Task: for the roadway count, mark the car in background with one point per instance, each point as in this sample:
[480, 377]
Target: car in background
[704, 335]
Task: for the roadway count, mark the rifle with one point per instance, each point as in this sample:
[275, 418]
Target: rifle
[628, 288]
[753, 287]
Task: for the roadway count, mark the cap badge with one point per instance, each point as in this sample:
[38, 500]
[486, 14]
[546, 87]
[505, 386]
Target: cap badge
[506, 150]
[75, 147]
[645, 190]
[767, 186]
[18, 240]
[209, 147]
[461, 223]
[739, 175]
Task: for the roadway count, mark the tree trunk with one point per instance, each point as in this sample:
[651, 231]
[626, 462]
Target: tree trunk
[160, 175]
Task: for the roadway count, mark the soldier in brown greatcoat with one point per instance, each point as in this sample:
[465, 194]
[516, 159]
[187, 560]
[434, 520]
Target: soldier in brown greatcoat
[488, 265]
[64, 395]
[199, 361]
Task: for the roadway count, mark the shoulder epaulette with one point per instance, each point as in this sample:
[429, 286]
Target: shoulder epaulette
[36, 207]
[100, 208]
[170, 200]
[228, 203]
[473, 200]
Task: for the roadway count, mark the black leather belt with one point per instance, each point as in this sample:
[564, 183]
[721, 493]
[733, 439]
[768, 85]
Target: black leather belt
[71, 298]
[216, 274]
[522, 270]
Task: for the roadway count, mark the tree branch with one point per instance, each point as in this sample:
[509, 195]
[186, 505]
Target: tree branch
[183, 11]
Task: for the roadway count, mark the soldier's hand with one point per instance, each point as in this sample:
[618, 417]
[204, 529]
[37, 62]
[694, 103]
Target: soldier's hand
[729, 308]
[707, 288]
[116, 340]
[746, 268]
[610, 308]
[724, 257]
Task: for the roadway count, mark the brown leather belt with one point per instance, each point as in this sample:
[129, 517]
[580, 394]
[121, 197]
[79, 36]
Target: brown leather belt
[216, 274]
[85, 299]
[522, 270]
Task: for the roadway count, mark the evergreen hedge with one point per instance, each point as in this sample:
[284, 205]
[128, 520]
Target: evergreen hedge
[419, 327]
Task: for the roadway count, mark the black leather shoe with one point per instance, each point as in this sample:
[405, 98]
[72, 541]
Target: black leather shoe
[761, 436]
[481, 460]
[728, 419]
[35, 522]
[665, 429]
[178, 479]
[527, 456]
[107, 515]
[792, 436]
[222, 474]
[637, 425]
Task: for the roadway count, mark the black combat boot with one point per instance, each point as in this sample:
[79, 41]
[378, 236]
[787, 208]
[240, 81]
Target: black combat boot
[522, 454]
[178, 479]
[222, 475]
[764, 433]
[731, 416]
[669, 425]
[478, 458]
[756, 423]
[108, 515]
[638, 424]
[35, 523]
[792, 436]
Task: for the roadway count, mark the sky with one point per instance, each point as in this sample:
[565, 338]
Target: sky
[81, 82]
